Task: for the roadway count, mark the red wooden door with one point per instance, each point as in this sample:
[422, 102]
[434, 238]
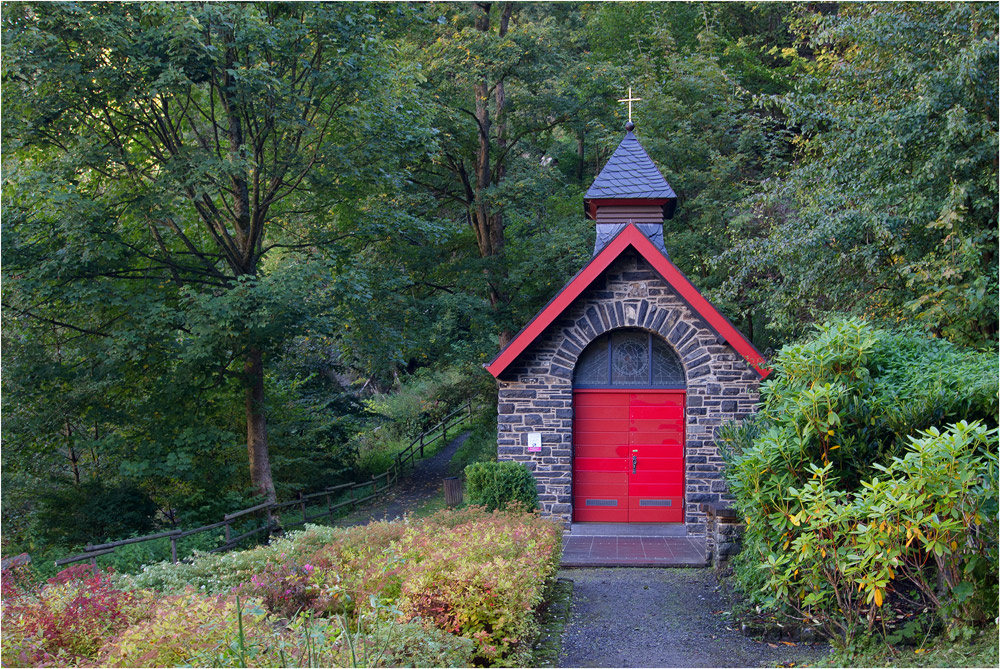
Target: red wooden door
[628, 463]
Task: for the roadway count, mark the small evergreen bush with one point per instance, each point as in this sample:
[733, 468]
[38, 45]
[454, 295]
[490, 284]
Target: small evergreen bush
[495, 485]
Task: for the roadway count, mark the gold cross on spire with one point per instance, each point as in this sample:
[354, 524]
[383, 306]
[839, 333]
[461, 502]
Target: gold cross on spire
[630, 100]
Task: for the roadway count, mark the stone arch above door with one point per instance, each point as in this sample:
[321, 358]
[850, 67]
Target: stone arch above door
[673, 324]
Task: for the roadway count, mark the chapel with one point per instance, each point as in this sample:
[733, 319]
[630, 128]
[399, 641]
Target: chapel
[612, 394]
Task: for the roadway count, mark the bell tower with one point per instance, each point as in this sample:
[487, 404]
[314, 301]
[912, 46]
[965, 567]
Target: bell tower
[630, 189]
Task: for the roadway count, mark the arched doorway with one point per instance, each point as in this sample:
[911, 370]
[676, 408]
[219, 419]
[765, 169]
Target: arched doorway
[628, 430]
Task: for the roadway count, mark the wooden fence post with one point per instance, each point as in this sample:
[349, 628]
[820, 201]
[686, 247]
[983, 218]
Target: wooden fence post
[227, 531]
[452, 491]
[302, 507]
[329, 509]
[270, 524]
[173, 549]
[444, 433]
[421, 444]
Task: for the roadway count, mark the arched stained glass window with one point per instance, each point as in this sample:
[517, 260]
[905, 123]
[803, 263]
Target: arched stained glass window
[629, 359]
[667, 367]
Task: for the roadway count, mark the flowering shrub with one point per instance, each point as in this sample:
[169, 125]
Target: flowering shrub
[67, 620]
[190, 629]
[481, 578]
[457, 588]
[286, 590]
[210, 572]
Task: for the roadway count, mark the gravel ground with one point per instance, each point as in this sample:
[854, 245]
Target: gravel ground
[628, 617]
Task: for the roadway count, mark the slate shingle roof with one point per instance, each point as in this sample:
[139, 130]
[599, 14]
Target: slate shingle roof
[630, 173]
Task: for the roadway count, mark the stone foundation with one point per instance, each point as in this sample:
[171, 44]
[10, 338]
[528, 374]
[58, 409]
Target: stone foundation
[725, 534]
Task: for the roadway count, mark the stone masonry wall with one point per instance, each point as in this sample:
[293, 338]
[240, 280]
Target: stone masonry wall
[536, 391]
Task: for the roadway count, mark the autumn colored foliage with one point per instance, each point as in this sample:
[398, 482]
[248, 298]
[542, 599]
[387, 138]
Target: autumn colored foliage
[458, 588]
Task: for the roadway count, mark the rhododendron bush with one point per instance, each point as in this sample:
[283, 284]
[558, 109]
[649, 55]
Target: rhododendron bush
[458, 588]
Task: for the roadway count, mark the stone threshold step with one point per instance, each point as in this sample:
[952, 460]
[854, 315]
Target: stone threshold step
[665, 564]
[627, 530]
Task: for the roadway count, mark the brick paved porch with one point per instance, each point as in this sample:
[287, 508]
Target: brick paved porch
[616, 545]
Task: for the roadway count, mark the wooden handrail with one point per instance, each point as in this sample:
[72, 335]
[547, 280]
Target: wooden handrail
[237, 514]
[133, 540]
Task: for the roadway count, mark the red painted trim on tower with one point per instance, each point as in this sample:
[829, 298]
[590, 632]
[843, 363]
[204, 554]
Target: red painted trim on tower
[668, 271]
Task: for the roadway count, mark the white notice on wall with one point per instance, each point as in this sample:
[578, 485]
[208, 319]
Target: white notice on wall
[534, 442]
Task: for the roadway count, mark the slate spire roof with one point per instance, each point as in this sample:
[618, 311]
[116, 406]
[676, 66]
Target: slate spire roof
[630, 174]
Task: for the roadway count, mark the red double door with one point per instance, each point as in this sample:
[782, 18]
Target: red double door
[628, 463]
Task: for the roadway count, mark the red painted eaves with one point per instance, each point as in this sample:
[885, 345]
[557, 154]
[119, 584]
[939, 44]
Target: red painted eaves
[668, 271]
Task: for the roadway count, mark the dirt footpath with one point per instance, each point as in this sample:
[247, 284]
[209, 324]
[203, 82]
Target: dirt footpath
[627, 617]
[415, 488]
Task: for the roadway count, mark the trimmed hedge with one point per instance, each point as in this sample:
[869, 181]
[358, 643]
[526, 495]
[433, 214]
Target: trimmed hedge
[495, 485]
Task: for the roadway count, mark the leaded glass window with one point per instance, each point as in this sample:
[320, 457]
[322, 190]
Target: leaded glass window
[667, 367]
[629, 359]
[592, 365]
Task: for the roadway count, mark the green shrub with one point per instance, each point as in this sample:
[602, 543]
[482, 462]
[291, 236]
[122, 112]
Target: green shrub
[845, 511]
[494, 485]
[92, 511]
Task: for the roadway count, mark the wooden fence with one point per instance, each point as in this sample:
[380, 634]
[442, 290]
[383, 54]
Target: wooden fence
[332, 500]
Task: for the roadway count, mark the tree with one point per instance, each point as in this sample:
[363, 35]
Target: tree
[890, 209]
[189, 159]
[494, 74]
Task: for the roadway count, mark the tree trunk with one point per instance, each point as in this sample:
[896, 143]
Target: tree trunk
[260, 461]
[489, 224]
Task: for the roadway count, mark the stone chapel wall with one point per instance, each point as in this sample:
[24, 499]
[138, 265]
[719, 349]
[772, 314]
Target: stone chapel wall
[536, 391]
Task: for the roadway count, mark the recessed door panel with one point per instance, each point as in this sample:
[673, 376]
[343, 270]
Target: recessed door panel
[628, 456]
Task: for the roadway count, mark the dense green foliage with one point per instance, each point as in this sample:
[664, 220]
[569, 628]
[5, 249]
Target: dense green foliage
[496, 485]
[456, 589]
[857, 508]
[252, 242]
[890, 209]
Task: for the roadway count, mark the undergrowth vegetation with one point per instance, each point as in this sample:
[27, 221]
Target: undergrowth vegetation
[459, 588]
[868, 482]
[413, 406]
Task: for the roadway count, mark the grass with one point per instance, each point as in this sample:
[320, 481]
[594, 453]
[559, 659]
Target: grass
[481, 446]
[377, 457]
[553, 616]
[974, 648]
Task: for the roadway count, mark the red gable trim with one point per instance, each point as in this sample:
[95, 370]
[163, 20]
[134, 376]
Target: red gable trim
[630, 236]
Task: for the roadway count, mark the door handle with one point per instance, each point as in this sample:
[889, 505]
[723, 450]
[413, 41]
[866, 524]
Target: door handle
[635, 461]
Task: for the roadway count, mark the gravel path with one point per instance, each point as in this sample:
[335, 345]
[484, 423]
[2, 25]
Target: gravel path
[629, 617]
[416, 487]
